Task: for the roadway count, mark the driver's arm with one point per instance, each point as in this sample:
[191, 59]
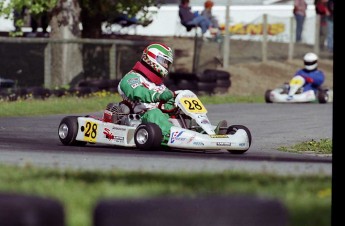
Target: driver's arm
[135, 91]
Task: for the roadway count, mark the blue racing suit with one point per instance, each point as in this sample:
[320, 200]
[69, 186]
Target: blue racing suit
[314, 79]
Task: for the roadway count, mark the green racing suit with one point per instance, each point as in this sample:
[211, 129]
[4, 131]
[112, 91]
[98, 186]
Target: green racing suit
[141, 94]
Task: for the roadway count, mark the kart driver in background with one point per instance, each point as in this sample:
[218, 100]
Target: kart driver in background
[314, 78]
[142, 88]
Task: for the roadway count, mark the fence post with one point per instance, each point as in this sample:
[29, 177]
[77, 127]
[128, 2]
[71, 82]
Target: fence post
[47, 66]
[317, 34]
[264, 38]
[226, 41]
[112, 62]
[291, 42]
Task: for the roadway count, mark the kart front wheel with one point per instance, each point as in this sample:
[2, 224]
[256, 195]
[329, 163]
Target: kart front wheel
[68, 130]
[232, 130]
[148, 136]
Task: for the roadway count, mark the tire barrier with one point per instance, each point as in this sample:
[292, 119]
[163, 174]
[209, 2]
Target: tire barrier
[209, 82]
[24, 210]
[183, 211]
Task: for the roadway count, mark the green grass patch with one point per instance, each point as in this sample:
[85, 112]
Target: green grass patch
[92, 103]
[323, 146]
[307, 198]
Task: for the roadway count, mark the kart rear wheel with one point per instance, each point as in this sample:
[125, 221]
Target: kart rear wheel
[232, 130]
[148, 136]
[322, 96]
[267, 96]
[68, 130]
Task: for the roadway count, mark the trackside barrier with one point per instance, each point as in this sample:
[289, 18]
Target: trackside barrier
[184, 211]
[25, 210]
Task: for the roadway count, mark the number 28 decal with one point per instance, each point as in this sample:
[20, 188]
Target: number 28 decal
[90, 131]
[193, 105]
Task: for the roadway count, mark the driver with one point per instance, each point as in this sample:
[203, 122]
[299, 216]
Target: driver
[142, 88]
[314, 78]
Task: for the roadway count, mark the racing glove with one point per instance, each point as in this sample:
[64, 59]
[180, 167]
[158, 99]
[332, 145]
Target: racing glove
[165, 96]
[308, 79]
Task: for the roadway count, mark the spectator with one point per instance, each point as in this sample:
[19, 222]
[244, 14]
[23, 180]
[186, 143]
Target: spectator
[329, 19]
[299, 11]
[322, 10]
[188, 18]
[207, 12]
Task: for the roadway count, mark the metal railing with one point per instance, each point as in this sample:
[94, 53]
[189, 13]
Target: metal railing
[113, 68]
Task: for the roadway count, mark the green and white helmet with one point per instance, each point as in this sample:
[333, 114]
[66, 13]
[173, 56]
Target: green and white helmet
[159, 57]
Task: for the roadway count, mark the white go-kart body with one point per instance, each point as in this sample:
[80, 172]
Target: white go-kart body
[293, 93]
[192, 129]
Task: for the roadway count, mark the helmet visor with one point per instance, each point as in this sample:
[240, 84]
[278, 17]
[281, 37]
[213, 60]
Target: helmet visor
[308, 63]
[163, 61]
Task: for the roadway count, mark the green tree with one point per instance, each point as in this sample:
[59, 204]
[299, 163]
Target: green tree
[65, 18]
[92, 13]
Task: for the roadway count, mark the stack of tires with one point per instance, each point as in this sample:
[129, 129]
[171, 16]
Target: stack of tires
[87, 87]
[209, 82]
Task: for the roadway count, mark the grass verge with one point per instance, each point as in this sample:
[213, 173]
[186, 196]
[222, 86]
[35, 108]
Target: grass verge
[307, 198]
[95, 102]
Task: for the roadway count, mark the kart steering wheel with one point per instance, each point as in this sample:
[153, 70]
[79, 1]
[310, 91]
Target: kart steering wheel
[161, 105]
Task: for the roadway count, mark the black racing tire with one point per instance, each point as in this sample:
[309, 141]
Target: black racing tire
[221, 90]
[68, 130]
[223, 83]
[206, 77]
[191, 211]
[267, 96]
[59, 92]
[81, 91]
[177, 76]
[39, 92]
[148, 136]
[322, 96]
[218, 74]
[29, 210]
[187, 84]
[206, 87]
[232, 130]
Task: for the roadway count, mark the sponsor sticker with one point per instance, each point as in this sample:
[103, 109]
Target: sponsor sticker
[177, 136]
[219, 136]
[135, 85]
[198, 143]
[223, 144]
[132, 81]
[108, 134]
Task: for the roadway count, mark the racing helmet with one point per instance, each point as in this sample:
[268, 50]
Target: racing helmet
[159, 57]
[310, 61]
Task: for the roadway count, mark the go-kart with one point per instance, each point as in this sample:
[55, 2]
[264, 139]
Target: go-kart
[293, 92]
[191, 130]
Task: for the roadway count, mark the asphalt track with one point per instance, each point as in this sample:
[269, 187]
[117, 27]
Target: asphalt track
[34, 140]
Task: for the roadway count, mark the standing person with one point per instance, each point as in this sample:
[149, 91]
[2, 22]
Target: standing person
[207, 12]
[188, 18]
[143, 87]
[329, 19]
[322, 10]
[299, 11]
[314, 77]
